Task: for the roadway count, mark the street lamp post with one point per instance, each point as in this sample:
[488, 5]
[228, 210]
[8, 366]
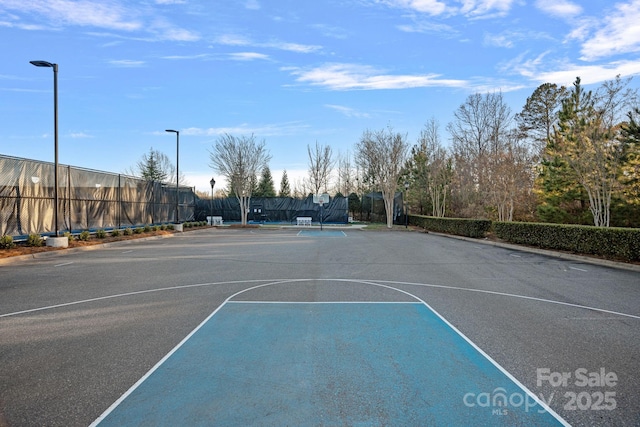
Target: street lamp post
[177, 173]
[212, 182]
[55, 137]
[406, 214]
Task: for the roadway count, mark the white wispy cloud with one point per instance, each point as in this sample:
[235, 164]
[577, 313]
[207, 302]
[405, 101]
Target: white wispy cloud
[239, 40]
[363, 77]
[559, 8]
[275, 129]
[498, 40]
[589, 74]
[248, 56]
[112, 15]
[232, 40]
[509, 39]
[77, 135]
[427, 26]
[430, 7]
[619, 33]
[169, 32]
[470, 8]
[347, 111]
[126, 63]
[23, 26]
[542, 69]
[485, 8]
[103, 14]
[187, 57]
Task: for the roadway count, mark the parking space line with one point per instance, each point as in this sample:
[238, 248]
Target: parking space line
[63, 264]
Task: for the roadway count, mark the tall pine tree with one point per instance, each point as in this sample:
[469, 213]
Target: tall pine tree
[265, 185]
[285, 188]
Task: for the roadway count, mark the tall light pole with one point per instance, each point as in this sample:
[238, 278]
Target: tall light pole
[55, 136]
[177, 172]
[212, 182]
[406, 214]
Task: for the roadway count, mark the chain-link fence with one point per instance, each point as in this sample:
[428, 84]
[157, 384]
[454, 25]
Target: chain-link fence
[87, 200]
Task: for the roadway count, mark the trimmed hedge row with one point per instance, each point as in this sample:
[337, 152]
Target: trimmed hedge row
[458, 226]
[620, 243]
[612, 242]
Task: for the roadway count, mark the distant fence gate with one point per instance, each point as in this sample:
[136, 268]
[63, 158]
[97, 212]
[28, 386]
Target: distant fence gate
[87, 199]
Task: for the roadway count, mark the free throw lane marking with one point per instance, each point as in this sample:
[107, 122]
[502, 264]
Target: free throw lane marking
[328, 364]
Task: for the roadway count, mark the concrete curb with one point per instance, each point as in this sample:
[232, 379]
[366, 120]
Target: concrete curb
[62, 252]
[549, 253]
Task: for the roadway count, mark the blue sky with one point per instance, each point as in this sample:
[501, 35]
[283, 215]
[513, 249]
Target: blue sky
[292, 72]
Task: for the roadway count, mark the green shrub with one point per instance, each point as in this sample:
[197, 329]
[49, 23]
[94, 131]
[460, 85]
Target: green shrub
[127, 231]
[34, 240]
[187, 225]
[6, 242]
[84, 235]
[163, 227]
[68, 235]
[459, 226]
[101, 234]
[620, 243]
[147, 228]
[138, 230]
[156, 227]
[115, 232]
[170, 227]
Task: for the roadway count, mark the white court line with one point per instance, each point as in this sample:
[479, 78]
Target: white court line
[126, 294]
[126, 252]
[172, 288]
[321, 302]
[515, 256]
[586, 307]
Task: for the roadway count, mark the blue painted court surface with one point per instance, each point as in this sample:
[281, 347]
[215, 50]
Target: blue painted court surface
[355, 364]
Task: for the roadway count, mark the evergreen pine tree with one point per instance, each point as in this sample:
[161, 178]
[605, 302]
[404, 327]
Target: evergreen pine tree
[285, 189]
[265, 185]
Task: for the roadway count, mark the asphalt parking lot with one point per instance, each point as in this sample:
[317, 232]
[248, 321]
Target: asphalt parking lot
[348, 328]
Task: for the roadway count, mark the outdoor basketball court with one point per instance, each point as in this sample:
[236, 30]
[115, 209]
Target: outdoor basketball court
[309, 327]
[267, 357]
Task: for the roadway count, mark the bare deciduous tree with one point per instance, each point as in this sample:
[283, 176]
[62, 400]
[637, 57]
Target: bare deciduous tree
[239, 159]
[382, 154]
[346, 178]
[320, 167]
[479, 131]
[437, 167]
[511, 176]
